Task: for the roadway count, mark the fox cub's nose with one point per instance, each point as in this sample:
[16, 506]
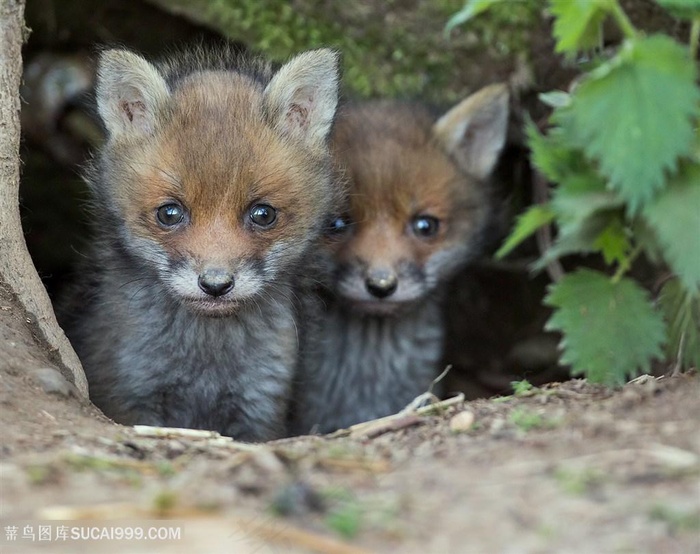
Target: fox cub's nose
[381, 283]
[215, 282]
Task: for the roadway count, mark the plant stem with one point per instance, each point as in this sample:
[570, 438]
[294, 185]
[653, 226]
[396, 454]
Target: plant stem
[623, 21]
[625, 265]
[694, 37]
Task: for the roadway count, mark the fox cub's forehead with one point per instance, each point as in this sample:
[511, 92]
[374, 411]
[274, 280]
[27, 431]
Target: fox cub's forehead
[392, 162]
[215, 102]
[217, 133]
[403, 180]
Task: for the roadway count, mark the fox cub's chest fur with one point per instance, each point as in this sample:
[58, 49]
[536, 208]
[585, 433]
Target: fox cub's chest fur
[209, 200]
[419, 202]
[169, 368]
[372, 366]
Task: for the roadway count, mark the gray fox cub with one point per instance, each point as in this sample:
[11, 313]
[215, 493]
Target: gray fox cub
[419, 201]
[209, 197]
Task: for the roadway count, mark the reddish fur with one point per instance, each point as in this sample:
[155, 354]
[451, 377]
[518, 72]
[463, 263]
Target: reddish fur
[397, 171]
[200, 315]
[218, 117]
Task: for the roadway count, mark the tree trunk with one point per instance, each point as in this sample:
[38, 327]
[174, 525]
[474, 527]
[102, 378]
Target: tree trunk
[16, 269]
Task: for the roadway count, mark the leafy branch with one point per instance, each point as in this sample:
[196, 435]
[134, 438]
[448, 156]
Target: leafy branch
[623, 155]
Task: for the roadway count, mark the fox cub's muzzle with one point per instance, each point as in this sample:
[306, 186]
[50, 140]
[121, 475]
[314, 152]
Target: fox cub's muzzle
[215, 282]
[381, 283]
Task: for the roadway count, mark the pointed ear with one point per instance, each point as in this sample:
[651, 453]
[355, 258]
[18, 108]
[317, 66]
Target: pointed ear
[302, 97]
[474, 131]
[131, 93]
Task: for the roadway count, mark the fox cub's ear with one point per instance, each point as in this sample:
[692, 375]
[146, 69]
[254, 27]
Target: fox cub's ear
[474, 131]
[302, 96]
[130, 93]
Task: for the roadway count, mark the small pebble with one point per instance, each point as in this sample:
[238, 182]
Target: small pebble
[267, 461]
[462, 421]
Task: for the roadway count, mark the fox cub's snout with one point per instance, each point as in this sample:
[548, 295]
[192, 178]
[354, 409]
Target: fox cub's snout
[220, 180]
[418, 198]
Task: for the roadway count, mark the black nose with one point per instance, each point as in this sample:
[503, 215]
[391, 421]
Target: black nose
[215, 282]
[381, 283]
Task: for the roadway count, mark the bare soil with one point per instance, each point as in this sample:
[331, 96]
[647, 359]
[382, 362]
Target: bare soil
[569, 467]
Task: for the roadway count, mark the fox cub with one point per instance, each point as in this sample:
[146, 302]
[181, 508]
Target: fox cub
[419, 201]
[209, 197]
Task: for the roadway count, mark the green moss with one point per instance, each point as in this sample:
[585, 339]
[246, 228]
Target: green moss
[527, 420]
[165, 469]
[677, 519]
[345, 520]
[522, 388]
[39, 474]
[164, 502]
[579, 482]
[396, 48]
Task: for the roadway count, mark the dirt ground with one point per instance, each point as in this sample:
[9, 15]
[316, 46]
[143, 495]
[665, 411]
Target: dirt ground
[565, 468]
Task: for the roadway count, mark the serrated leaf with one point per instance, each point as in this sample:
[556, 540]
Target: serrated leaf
[578, 23]
[579, 196]
[684, 9]
[526, 224]
[577, 239]
[471, 9]
[554, 159]
[611, 330]
[675, 216]
[622, 113]
[682, 312]
[614, 243]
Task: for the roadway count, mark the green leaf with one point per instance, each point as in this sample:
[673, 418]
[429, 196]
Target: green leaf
[577, 239]
[614, 243]
[471, 9]
[578, 23]
[526, 224]
[675, 216]
[682, 312]
[579, 196]
[555, 98]
[647, 238]
[551, 156]
[684, 9]
[584, 209]
[611, 330]
[635, 116]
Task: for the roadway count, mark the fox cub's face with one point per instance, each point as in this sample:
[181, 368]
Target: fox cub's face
[417, 195]
[218, 181]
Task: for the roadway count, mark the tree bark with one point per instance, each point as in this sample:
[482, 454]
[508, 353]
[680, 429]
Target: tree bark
[16, 268]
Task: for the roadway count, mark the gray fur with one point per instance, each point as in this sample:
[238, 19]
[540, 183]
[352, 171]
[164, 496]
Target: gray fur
[371, 366]
[151, 356]
[377, 355]
[149, 360]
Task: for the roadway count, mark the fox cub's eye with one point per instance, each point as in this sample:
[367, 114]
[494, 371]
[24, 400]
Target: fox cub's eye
[425, 226]
[339, 225]
[170, 215]
[263, 215]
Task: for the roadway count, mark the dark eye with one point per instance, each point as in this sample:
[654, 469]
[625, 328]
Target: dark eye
[263, 215]
[425, 226]
[339, 225]
[170, 215]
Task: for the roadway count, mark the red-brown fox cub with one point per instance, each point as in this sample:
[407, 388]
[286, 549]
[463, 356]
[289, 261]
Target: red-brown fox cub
[419, 200]
[209, 199]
